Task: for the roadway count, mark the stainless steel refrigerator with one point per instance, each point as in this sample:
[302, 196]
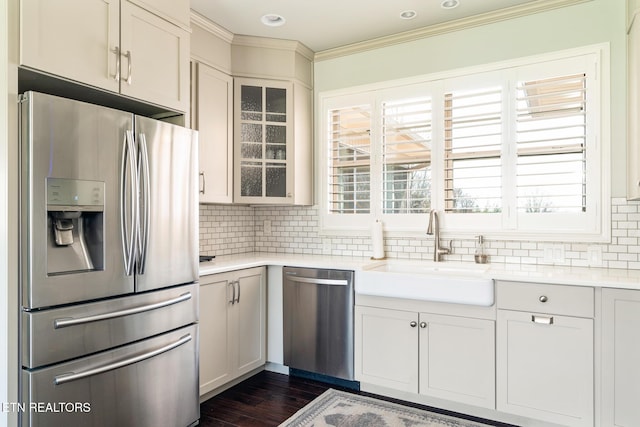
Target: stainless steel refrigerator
[109, 268]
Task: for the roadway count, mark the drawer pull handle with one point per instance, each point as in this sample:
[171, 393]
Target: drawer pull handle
[543, 298]
[543, 320]
[70, 321]
[73, 376]
[413, 324]
[423, 325]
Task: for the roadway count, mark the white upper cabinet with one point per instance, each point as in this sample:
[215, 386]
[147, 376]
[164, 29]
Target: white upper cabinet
[272, 152]
[212, 117]
[154, 58]
[272, 122]
[633, 101]
[263, 137]
[109, 44]
[176, 11]
[55, 40]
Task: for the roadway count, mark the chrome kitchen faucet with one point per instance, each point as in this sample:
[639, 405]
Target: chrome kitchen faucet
[434, 228]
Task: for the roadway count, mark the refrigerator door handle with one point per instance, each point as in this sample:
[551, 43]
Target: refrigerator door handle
[128, 205]
[73, 376]
[145, 211]
[65, 322]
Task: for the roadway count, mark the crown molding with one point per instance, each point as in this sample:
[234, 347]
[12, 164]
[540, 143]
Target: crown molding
[271, 43]
[212, 27]
[447, 27]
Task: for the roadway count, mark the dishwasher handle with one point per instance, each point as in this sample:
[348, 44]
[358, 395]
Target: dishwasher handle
[334, 282]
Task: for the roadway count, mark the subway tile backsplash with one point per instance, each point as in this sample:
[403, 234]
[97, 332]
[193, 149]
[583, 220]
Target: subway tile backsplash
[228, 230]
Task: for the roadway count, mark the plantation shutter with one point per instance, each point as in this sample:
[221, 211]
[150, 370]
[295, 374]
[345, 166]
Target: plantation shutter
[551, 144]
[350, 160]
[472, 150]
[406, 164]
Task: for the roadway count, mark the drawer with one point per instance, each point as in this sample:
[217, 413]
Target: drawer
[552, 299]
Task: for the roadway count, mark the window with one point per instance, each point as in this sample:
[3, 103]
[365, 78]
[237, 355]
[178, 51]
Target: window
[473, 150]
[350, 154]
[551, 144]
[514, 151]
[406, 163]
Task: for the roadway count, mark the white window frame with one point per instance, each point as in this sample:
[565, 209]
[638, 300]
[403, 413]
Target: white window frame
[594, 226]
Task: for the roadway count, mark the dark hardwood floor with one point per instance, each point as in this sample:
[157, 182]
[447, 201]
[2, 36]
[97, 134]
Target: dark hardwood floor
[266, 399]
[269, 398]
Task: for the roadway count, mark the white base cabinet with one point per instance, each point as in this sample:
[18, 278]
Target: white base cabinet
[232, 326]
[457, 359]
[545, 361]
[545, 371]
[441, 356]
[620, 358]
[386, 348]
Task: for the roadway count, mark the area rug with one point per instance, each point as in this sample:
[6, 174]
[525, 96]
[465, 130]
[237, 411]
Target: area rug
[340, 409]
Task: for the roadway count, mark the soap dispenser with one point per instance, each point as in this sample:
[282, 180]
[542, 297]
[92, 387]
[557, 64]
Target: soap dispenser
[481, 255]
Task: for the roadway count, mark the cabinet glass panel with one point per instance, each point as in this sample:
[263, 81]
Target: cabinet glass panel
[276, 180]
[276, 104]
[263, 141]
[251, 141]
[252, 151]
[251, 179]
[276, 139]
[251, 103]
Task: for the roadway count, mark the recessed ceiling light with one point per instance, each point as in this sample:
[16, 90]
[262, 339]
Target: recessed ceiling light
[449, 4]
[273, 20]
[408, 14]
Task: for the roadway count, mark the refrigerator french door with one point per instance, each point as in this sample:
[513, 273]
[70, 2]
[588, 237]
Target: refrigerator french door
[109, 242]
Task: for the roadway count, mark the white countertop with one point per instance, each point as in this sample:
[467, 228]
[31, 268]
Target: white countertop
[577, 276]
[257, 259]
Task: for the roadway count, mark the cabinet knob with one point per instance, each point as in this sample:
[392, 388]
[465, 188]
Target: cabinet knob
[413, 324]
[543, 298]
[423, 324]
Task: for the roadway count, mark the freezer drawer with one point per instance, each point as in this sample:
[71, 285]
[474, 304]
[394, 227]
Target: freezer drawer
[150, 383]
[52, 336]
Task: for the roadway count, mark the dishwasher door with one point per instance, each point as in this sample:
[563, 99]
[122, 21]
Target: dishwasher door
[318, 321]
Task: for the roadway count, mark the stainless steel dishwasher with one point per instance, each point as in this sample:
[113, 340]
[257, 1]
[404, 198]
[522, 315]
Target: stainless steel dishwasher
[318, 321]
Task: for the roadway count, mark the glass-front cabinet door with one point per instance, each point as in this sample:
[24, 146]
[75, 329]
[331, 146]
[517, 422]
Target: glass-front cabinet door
[263, 140]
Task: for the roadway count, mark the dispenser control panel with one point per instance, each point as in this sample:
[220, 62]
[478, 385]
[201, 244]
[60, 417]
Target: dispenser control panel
[75, 195]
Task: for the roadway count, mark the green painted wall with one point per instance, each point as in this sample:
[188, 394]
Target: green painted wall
[593, 22]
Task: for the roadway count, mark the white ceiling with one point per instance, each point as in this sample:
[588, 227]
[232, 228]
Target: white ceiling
[327, 24]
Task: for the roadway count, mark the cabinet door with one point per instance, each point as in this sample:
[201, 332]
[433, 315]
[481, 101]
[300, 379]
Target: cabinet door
[386, 348]
[213, 120]
[633, 119]
[457, 359]
[74, 39]
[620, 358]
[263, 136]
[545, 367]
[177, 11]
[215, 364]
[154, 59]
[249, 330]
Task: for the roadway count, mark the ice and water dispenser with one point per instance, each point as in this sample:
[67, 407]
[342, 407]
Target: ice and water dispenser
[75, 222]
